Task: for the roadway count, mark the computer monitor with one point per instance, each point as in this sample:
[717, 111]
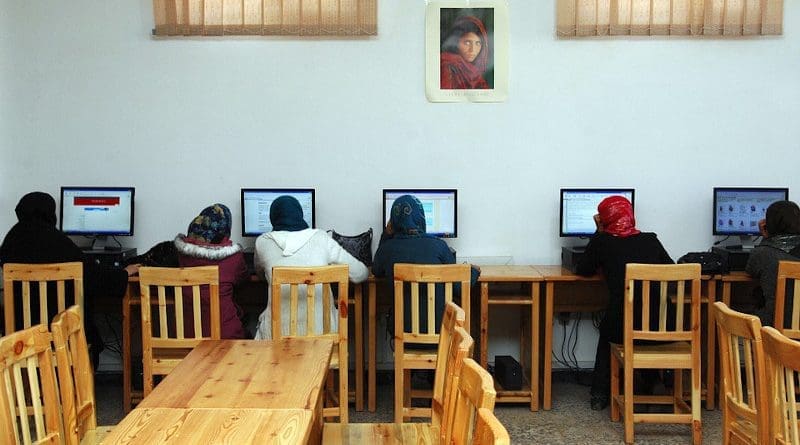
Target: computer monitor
[579, 205]
[440, 207]
[257, 201]
[737, 210]
[97, 211]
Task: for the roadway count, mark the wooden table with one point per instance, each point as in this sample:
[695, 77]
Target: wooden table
[529, 280]
[212, 426]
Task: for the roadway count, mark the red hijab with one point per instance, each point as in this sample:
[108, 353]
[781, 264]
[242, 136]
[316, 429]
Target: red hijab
[457, 73]
[616, 216]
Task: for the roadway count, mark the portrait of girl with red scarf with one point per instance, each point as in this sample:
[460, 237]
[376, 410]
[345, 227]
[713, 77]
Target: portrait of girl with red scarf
[465, 54]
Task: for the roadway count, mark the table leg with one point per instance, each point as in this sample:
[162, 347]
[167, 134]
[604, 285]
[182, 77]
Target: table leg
[548, 344]
[484, 353]
[711, 333]
[126, 352]
[371, 345]
[535, 346]
[359, 324]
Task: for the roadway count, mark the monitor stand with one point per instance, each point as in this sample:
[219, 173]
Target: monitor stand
[747, 243]
[100, 242]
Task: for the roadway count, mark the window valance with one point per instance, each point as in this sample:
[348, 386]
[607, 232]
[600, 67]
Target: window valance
[265, 17]
[669, 17]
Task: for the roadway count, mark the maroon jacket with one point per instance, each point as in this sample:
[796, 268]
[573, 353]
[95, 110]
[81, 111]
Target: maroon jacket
[232, 270]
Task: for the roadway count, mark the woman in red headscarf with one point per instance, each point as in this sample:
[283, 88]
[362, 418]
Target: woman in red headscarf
[465, 55]
[616, 243]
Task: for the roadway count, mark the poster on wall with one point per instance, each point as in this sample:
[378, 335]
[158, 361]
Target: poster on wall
[466, 50]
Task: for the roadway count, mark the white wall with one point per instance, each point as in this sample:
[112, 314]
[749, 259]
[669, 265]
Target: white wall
[88, 97]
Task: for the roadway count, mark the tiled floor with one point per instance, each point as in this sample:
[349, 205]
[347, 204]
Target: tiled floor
[569, 422]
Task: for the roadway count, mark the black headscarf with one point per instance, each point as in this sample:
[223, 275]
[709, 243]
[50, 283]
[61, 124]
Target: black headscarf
[37, 208]
[286, 213]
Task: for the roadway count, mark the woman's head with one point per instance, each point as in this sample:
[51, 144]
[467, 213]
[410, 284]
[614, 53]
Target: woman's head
[783, 218]
[616, 216]
[468, 38]
[212, 225]
[37, 207]
[286, 213]
[408, 216]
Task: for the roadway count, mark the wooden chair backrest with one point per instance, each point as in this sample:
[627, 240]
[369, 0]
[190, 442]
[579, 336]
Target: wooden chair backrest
[38, 276]
[448, 350]
[788, 278]
[489, 430]
[308, 281]
[686, 326]
[429, 275]
[743, 372]
[475, 391]
[27, 379]
[171, 306]
[783, 370]
[444, 415]
[75, 378]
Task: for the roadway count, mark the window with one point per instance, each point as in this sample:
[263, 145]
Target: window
[265, 17]
[669, 17]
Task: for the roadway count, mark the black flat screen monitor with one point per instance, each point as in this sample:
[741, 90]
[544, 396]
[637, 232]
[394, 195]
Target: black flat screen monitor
[256, 203]
[579, 205]
[440, 207]
[737, 210]
[97, 211]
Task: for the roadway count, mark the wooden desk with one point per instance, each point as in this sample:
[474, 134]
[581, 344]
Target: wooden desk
[212, 426]
[595, 298]
[526, 276]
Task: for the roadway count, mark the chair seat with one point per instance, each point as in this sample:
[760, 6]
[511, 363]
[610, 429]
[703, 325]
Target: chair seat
[380, 433]
[676, 355]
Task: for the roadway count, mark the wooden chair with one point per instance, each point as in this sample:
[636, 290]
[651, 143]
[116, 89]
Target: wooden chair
[75, 379]
[744, 405]
[475, 391]
[37, 276]
[27, 378]
[670, 347]
[309, 281]
[452, 352]
[489, 430]
[166, 344]
[783, 371]
[788, 279]
[408, 355]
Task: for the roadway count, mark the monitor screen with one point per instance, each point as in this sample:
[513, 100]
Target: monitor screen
[256, 203]
[578, 207]
[96, 211]
[439, 205]
[737, 210]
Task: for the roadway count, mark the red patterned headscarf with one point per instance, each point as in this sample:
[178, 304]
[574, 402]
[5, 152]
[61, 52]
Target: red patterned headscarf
[616, 216]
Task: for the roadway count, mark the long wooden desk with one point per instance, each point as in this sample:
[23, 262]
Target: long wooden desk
[179, 426]
[528, 278]
[249, 374]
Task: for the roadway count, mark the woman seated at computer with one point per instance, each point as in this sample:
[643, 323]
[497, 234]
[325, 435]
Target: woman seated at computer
[207, 243]
[292, 243]
[781, 232]
[616, 243]
[35, 239]
[405, 241]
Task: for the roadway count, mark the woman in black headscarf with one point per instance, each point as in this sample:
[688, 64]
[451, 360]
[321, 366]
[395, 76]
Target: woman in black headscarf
[34, 239]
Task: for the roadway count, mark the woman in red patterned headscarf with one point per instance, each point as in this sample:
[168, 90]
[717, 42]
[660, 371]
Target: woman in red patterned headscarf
[616, 243]
[465, 55]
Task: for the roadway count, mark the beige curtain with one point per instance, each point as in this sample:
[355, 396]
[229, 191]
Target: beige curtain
[669, 17]
[265, 17]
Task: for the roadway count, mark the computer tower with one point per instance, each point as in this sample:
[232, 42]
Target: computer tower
[736, 258]
[571, 256]
[508, 372]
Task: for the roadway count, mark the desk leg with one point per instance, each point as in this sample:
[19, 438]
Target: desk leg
[371, 346]
[548, 344]
[535, 330]
[711, 333]
[126, 352]
[359, 324]
[484, 357]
